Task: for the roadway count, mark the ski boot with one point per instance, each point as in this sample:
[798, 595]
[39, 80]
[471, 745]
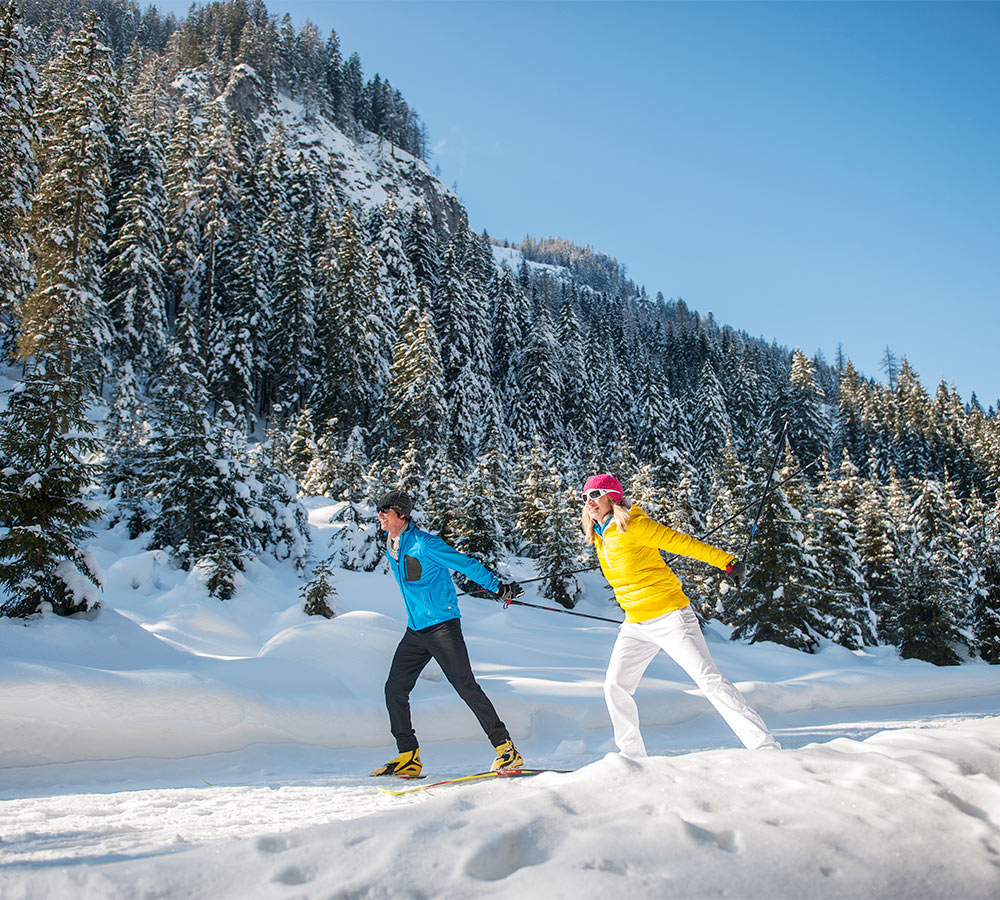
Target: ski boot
[406, 765]
[507, 758]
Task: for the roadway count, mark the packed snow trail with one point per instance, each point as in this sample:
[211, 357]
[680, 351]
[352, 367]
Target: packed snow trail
[912, 812]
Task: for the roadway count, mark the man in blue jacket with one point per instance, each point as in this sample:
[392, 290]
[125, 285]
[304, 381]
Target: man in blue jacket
[421, 563]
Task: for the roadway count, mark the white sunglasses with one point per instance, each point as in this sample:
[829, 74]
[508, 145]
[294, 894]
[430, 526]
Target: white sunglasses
[595, 493]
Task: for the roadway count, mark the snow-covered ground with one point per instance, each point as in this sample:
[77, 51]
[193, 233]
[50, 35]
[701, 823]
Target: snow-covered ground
[176, 746]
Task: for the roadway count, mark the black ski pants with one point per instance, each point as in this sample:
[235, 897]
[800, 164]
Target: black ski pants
[445, 644]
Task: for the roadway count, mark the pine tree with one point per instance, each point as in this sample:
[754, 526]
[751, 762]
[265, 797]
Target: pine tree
[879, 549]
[46, 442]
[843, 603]
[984, 613]
[776, 602]
[232, 498]
[124, 474]
[537, 404]
[19, 170]
[68, 217]
[711, 421]
[808, 431]
[850, 433]
[319, 592]
[134, 281]
[478, 523]
[400, 282]
[545, 517]
[927, 621]
[301, 446]
[281, 522]
[292, 339]
[184, 262]
[912, 407]
[421, 247]
[321, 477]
[416, 405]
[349, 333]
[181, 458]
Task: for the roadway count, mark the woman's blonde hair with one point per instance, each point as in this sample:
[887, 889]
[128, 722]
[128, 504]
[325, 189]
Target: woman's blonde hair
[621, 514]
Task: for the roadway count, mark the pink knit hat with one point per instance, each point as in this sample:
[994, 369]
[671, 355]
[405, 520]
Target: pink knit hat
[607, 483]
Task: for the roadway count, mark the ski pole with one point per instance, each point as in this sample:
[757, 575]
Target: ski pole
[568, 612]
[747, 506]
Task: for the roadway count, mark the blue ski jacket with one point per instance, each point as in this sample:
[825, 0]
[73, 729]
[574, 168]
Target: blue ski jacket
[423, 574]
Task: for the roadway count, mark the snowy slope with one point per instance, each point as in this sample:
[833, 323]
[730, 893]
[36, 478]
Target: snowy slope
[174, 745]
[369, 169]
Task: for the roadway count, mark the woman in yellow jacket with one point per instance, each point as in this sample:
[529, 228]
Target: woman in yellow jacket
[657, 614]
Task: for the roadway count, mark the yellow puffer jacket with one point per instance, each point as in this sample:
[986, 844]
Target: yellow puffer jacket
[644, 585]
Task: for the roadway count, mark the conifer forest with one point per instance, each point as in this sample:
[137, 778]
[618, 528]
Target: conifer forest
[229, 279]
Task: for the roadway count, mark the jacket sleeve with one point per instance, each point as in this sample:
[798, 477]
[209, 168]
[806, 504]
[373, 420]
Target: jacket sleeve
[653, 534]
[441, 552]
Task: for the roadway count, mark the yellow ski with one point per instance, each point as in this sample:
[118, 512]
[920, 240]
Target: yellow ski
[503, 773]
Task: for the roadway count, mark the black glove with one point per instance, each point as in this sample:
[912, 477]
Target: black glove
[736, 572]
[509, 590]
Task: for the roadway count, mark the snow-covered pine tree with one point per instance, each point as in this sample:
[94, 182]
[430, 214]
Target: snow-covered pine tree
[134, 281]
[878, 548]
[536, 406]
[46, 474]
[849, 432]
[68, 217]
[927, 622]
[348, 335]
[459, 315]
[711, 429]
[808, 427]
[843, 604]
[416, 405]
[421, 246]
[505, 332]
[355, 545]
[124, 474]
[184, 262]
[984, 559]
[321, 476]
[729, 491]
[654, 439]
[400, 283]
[546, 513]
[181, 463]
[441, 492]
[19, 171]
[478, 523]
[233, 497]
[301, 445]
[282, 524]
[319, 592]
[576, 417]
[912, 424]
[292, 338]
[776, 602]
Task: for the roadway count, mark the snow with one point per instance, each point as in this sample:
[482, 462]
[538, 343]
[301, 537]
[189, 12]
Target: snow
[173, 745]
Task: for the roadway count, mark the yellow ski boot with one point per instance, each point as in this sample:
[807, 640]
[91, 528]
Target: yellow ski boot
[406, 765]
[507, 758]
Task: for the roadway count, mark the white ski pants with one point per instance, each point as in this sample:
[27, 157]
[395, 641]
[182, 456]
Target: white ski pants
[679, 634]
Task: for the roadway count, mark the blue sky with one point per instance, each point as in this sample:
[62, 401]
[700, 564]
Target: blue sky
[820, 174]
